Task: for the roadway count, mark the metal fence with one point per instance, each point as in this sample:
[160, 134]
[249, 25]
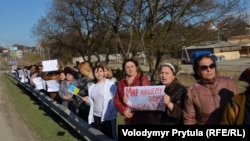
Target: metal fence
[77, 123]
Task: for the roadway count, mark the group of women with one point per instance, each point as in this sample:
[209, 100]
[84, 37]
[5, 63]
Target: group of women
[93, 101]
[100, 97]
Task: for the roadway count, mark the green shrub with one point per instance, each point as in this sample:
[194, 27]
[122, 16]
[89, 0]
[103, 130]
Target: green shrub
[140, 70]
[118, 74]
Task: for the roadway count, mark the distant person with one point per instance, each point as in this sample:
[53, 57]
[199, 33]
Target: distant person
[36, 78]
[84, 81]
[33, 74]
[26, 74]
[132, 78]
[65, 95]
[237, 111]
[109, 73]
[207, 98]
[103, 112]
[13, 71]
[62, 77]
[51, 75]
[77, 75]
[174, 97]
[62, 74]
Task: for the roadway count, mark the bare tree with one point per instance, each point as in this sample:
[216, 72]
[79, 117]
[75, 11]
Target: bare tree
[156, 27]
[182, 24]
[68, 25]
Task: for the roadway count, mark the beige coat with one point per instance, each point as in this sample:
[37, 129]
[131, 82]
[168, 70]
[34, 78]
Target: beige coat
[205, 103]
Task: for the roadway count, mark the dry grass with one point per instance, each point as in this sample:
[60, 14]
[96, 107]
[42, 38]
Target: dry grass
[30, 58]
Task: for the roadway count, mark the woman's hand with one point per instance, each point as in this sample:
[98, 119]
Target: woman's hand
[67, 97]
[167, 101]
[125, 99]
[127, 113]
[85, 99]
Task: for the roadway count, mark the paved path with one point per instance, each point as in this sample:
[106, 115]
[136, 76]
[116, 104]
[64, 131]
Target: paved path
[6, 133]
[12, 128]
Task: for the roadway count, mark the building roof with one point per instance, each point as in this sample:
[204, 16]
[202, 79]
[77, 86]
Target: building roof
[218, 44]
[241, 37]
[243, 40]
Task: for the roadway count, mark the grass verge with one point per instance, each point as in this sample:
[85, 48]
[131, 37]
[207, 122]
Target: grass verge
[46, 125]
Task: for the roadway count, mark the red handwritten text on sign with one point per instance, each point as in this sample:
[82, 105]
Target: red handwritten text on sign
[145, 97]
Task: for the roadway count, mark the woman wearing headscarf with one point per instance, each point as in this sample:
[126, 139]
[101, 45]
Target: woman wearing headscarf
[174, 96]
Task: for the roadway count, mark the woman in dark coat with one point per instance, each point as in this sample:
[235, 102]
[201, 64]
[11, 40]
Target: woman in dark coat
[174, 97]
[85, 79]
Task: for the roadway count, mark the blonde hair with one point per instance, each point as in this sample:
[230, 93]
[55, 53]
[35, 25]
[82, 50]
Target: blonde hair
[110, 73]
[86, 70]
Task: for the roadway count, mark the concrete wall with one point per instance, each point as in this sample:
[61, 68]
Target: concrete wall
[141, 57]
[228, 55]
[112, 57]
[240, 40]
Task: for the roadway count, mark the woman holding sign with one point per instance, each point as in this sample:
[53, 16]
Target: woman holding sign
[132, 78]
[102, 114]
[174, 97]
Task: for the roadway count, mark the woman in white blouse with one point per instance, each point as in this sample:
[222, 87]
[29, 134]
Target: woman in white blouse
[103, 112]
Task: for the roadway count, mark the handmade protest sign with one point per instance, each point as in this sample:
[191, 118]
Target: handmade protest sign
[20, 72]
[50, 65]
[52, 86]
[40, 84]
[145, 97]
